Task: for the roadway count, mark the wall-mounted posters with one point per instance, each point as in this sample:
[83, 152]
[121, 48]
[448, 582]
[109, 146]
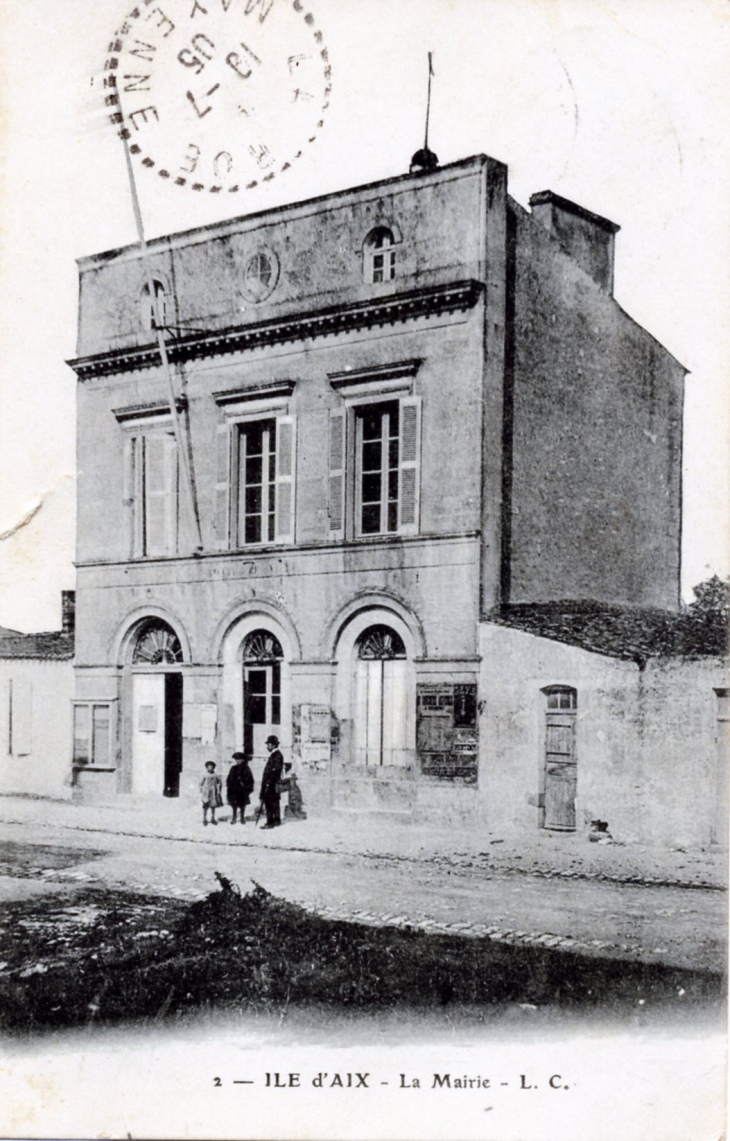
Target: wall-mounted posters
[446, 731]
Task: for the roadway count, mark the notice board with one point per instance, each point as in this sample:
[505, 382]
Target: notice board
[447, 737]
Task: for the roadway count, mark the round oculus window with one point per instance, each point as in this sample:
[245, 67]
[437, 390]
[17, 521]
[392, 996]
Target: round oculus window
[260, 275]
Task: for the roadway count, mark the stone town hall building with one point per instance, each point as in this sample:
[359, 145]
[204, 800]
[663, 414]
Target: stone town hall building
[405, 406]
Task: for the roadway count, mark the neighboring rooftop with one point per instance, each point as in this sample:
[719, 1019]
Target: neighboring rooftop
[630, 633]
[53, 645]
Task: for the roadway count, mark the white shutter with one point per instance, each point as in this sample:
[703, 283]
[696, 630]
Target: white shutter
[223, 487]
[409, 465]
[160, 480]
[286, 459]
[22, 715]
[128, 496]
[336, 483]
[172, 467]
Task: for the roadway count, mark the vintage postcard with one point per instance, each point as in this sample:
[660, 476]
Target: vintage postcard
[364, 558]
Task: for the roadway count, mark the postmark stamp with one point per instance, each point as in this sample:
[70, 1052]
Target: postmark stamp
[218, 95]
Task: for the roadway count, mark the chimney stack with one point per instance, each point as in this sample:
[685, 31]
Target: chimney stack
[586, 237]
[68, 611]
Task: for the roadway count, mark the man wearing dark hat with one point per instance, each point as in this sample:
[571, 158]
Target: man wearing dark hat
[270, 795]
[239, 786]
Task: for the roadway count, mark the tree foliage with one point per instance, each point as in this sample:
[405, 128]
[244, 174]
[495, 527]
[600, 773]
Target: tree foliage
[712, 599]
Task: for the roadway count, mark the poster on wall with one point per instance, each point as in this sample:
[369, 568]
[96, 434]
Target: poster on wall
[446, 731]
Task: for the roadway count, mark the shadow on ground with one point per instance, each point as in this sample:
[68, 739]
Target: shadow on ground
[101, 957]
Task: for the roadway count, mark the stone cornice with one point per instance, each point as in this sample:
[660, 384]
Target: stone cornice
[276, 389]
[399, 370]
[425, 302]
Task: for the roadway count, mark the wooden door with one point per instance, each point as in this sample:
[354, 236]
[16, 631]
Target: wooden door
[381, 712]
[148, 734]
[561, 779]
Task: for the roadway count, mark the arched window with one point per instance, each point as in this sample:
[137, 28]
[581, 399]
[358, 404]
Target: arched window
[149, 320]
[380, 643]
[380, 255]
[262, 647]
[262, 661]
[157, 645]
[381, 698]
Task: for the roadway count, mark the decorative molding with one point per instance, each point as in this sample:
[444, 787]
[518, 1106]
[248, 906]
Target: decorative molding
[373, 374]
[146, 411]
[277, 388]
[430, 301]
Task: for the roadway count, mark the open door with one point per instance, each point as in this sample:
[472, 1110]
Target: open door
[173, 733]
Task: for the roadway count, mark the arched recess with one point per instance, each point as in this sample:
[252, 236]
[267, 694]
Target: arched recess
[127, 632]
[375, 687]
[237, 635]
[380, 253]
[360, 604]
[152, 648]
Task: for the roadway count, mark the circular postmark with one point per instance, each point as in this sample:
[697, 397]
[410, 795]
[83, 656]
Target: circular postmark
[218, 95]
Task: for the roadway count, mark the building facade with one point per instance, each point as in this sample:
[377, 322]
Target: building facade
[401, 407]
[36, 695]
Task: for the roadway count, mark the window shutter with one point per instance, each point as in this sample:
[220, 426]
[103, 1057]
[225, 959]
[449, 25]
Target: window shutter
[410, 464]
[285, 478]
[222, 487]
[173, 492]
[160, 494]
[22, 717]
[128, 496]
[336, 493]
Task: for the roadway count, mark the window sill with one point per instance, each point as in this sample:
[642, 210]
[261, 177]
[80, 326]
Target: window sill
[80, 767]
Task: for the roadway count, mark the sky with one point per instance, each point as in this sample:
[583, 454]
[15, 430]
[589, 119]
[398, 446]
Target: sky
[620, 105]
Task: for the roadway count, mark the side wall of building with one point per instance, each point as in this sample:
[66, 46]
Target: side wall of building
[35, 726]
[595, 436]
[649, 764]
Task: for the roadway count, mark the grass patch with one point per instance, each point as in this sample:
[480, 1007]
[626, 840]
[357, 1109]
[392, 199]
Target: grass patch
[107, 957]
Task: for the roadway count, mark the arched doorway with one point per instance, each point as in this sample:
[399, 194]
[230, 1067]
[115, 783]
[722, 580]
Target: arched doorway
[381, 698]
[157, 709]
[262, 661]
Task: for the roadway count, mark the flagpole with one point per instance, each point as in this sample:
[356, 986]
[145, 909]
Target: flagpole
[159, 330]
[428, 100]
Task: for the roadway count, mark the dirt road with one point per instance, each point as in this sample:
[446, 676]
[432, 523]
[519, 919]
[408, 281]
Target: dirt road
[672, 925]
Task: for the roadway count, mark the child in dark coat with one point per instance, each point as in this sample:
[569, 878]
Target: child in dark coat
[239, 786]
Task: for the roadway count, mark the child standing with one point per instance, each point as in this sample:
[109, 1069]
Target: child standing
[210, 792]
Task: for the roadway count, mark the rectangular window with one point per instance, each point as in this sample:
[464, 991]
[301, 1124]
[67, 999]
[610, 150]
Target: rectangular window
[257, 482]
[384, 265]
[92, 734]
[151, 494]
[378, 455]
[386, 471]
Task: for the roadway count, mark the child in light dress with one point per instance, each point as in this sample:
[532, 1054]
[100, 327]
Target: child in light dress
[211, 792]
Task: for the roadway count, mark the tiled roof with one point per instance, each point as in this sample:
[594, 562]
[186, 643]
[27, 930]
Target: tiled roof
[58, 645]
[634, 634]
